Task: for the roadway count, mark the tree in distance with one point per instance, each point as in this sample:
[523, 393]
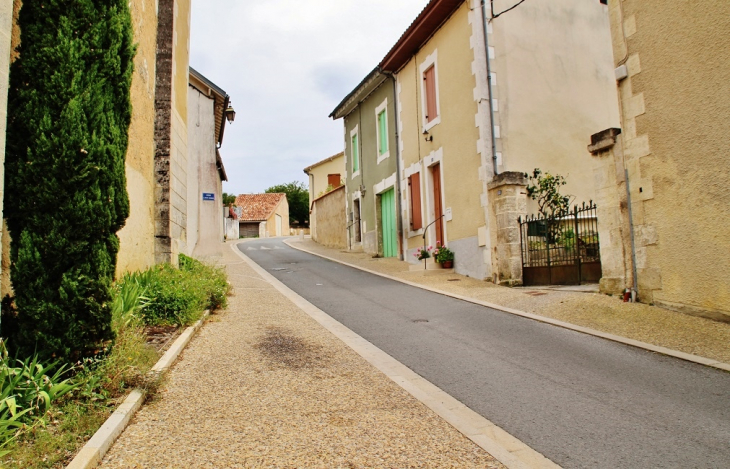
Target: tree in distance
[297, 195]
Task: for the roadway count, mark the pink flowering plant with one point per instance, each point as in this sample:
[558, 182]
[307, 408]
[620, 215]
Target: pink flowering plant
[423, 252]
[442, 254]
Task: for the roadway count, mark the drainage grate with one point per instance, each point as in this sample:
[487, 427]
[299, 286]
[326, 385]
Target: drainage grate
[281, 268]
[453, 280]
[535, 293]
[420, 320]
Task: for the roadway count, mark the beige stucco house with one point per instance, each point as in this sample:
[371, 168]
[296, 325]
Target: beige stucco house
[263, 215]
[328, 173]
[327, 219]
[663, 176]
[463, 145]
[207, 114]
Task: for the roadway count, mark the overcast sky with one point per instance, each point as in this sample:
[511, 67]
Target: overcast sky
[286, 64]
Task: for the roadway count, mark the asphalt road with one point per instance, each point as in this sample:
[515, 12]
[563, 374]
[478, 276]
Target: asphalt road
[581, 401]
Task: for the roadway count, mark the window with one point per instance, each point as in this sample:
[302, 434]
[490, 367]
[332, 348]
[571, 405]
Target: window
[430, 92]
[382, 133]
[429, 84]
[355, 150]
[414, 187]
[381, 129]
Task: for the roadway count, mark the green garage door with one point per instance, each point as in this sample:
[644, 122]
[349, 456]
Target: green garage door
[387, 215]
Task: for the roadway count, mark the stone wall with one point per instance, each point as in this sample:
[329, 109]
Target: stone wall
[508, 202]
[171, 130]
[674, 129]
[137, 238]
[9, 38]
[328, 219]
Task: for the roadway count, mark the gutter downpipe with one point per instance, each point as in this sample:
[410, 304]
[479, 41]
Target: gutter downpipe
[635, 292]
[399, 218]
[489, 85]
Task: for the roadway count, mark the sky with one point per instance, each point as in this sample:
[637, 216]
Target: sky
[286, 64]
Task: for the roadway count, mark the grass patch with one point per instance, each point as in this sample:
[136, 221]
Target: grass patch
[46, 433]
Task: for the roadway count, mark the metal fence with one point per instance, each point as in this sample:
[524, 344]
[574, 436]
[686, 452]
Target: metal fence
[561, 250]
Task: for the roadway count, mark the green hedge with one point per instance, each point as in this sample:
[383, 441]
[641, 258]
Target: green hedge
[69, 112]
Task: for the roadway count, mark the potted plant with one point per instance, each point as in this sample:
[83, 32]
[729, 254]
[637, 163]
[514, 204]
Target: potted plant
[444, 256]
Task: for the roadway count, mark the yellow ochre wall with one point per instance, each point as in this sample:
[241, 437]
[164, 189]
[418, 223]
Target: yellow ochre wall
[456, 134]
[675, 111]
[318, 175]
[138, 235]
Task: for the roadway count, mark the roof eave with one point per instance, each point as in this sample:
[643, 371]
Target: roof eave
[356, 96]
[431, 18]
[326, 160]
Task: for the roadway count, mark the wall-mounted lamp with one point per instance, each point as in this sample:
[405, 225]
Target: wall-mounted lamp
[230, 114]
[428, 138]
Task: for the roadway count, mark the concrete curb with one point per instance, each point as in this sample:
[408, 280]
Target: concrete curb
[501, 445]
[565, 325]
[94, 450]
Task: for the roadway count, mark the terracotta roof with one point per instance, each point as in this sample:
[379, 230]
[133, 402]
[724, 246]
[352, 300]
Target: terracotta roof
[258, 207]
[326, 160]
[433, 16]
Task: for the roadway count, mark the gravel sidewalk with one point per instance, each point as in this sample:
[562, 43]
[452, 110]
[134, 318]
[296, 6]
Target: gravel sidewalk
[264, 385]
[650, 324]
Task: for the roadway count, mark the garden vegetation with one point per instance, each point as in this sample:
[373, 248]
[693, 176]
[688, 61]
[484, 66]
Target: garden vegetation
[48, 410]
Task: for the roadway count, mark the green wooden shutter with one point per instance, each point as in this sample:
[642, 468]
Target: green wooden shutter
[383, 132]
[355, 155]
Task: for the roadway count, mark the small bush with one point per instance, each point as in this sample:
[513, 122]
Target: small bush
[179, 296]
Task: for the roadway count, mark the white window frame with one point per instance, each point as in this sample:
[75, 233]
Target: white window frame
[354, 132]
[383, 107]
[425, 65]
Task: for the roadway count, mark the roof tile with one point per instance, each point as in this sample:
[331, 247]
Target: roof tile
[258, 207]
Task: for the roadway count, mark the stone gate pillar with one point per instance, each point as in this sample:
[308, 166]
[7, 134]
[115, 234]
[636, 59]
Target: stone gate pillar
[507, 202]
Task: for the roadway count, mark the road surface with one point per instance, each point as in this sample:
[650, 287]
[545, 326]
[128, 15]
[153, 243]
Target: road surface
[580, 400]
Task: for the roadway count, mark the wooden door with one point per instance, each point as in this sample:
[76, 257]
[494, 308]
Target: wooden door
[387, 221]
[437, 208]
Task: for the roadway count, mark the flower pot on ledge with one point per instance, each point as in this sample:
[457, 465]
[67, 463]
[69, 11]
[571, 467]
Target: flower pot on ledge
[447, 264]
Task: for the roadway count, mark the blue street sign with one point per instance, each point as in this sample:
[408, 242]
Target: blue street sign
[208, 196]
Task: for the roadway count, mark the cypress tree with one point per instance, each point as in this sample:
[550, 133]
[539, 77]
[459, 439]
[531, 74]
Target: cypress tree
[69, 112]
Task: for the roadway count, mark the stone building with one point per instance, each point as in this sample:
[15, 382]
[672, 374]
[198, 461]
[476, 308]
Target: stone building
[263, 215]
[484, 94]
[371, 151]
[663, 176]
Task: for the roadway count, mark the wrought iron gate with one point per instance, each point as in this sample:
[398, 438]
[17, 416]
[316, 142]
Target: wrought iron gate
[561, 250]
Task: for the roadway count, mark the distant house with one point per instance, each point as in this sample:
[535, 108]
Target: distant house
[330, 172]
[263, 215]
[369, 115]
[327, 219]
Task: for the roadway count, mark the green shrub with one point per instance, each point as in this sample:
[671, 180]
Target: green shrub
[180, 295]
[69, 112]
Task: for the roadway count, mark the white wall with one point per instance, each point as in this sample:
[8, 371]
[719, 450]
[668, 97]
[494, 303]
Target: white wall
[205, 218]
